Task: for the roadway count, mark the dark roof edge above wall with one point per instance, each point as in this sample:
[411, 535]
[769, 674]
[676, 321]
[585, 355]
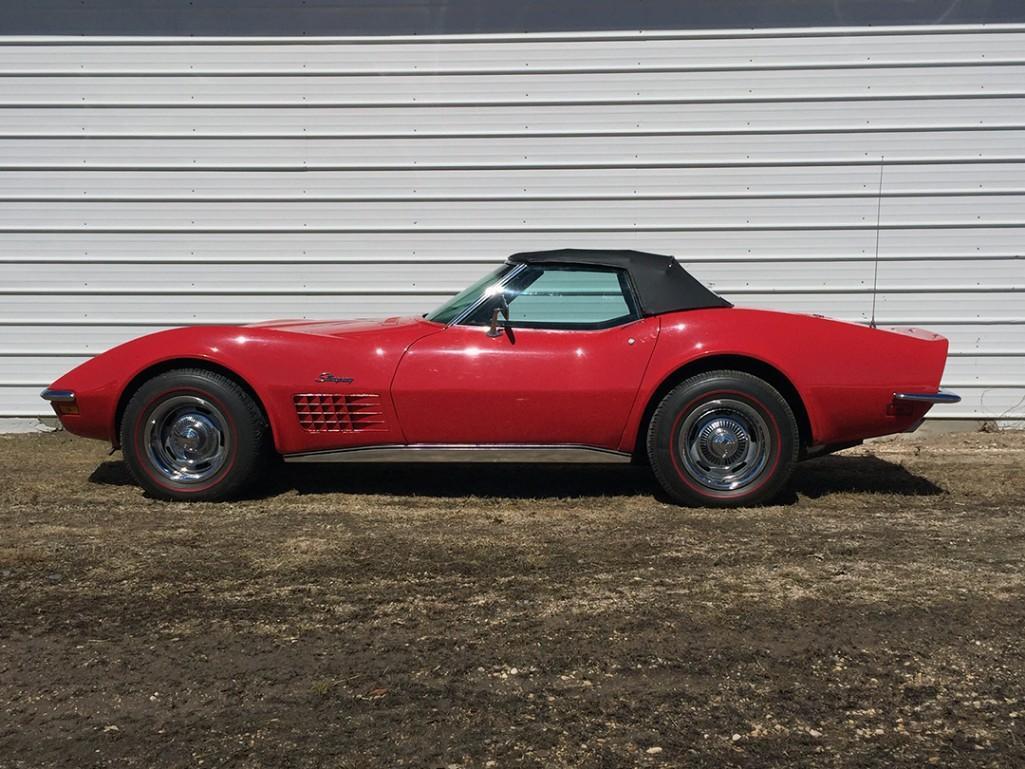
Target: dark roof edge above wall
[329, 18]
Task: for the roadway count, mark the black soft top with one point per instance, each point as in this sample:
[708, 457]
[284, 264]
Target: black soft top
[662, 285]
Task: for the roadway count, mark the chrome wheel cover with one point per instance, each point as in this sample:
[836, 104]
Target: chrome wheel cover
[724, 444]
[186, 439]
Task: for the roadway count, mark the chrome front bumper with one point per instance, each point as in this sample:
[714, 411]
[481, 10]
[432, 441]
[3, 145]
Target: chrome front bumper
[936, 397]
[63, 402]
[58, 396]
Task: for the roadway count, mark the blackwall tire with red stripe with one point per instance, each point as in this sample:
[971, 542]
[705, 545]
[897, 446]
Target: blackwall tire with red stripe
[723, 439]
[194, 435]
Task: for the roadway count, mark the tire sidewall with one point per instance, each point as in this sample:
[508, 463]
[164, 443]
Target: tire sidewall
[668, 420]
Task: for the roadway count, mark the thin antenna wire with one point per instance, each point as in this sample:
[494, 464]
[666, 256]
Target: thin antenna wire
[879, 213]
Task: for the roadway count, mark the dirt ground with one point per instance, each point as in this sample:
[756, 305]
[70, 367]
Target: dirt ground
[378, 616]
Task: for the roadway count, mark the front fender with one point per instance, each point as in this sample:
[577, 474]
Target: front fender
[276, 363]
[99, 383]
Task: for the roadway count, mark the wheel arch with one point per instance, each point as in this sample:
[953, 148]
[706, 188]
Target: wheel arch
[748, 365]
[182, 363]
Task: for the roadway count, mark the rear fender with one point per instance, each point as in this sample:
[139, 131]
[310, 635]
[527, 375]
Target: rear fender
[845, 374]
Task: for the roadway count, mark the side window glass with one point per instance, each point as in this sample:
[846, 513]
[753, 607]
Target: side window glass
[565, 297]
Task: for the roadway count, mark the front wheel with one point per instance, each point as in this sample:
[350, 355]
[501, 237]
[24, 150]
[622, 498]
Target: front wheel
[723, 439]
[192, 434]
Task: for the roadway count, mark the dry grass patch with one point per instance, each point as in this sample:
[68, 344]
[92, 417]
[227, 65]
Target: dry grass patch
[527, 616]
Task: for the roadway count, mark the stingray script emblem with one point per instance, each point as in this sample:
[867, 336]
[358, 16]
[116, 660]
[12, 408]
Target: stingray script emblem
[327, 376]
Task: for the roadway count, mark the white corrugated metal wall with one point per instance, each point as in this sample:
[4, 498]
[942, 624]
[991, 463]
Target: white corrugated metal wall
[149, 183]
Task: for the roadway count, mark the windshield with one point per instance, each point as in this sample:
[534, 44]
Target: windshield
[458, 304]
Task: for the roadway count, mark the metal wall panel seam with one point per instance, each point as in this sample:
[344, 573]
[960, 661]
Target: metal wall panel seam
[452, 290]
[484, 104]
[541, 134]
[485, 198]
[484, 260]
[244, 320]
[870, 160]
[503, 71]
[550, 37]
[455, 229]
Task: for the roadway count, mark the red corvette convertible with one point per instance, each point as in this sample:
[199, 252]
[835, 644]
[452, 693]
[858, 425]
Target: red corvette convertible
[571, 356]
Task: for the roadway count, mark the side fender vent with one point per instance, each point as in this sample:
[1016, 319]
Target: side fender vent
[339, 413]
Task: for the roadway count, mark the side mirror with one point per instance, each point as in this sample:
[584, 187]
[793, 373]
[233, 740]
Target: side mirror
[495, 328]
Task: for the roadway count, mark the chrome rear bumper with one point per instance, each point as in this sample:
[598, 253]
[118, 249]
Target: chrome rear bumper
[936, 397]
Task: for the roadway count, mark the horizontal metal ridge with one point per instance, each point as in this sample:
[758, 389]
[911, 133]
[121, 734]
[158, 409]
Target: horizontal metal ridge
[502, 198]
[49, 353]
[454, 228]
[449, 291]
[205, 291]
[477, 103]
[424, 452]
[1016, 353]
[523, 70]
[869, 160]
[1010, 416]
[523, 37]
[85, 320]
[864, 128]
[492, 260]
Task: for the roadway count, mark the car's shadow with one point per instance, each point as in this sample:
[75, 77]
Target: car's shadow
[816, 478]
[858, 475]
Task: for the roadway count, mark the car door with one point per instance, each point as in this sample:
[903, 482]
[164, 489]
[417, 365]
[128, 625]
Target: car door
[564, 369]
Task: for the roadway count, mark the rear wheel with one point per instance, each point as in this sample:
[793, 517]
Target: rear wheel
[191, 434]
[723, 439]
